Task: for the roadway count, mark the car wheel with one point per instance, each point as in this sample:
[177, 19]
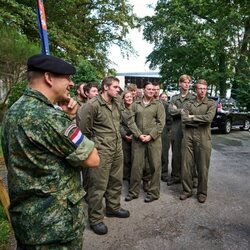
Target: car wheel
[246, 125]
[227, 127]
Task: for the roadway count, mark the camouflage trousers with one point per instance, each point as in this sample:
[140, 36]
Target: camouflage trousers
[76, 244]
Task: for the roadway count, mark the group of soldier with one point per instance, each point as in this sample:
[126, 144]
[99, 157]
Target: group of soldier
[149, 125]
[48, 141]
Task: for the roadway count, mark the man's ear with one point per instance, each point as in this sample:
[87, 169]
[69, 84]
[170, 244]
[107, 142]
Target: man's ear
[48, 78]
[105, 87]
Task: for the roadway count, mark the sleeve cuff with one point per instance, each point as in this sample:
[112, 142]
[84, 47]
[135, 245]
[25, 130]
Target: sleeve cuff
[81, 153]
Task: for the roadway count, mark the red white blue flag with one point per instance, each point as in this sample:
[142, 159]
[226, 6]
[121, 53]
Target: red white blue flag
[77, 137]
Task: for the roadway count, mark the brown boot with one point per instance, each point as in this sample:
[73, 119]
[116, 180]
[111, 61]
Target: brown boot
[201, 198]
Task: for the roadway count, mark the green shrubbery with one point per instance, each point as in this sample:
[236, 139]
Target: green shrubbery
[5, 228]
[16, 92]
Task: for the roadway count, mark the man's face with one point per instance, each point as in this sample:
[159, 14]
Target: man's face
[149, 91]
[157, 91]
[92, 93]
[184, 85]
[133, 92]
[139, 93]
[201, 91]
[61, 85]
[113, 89]
[80, 91]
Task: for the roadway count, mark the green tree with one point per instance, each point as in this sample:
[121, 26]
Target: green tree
[76, 28]
[201, 38]
[86, 72]
[15, 49]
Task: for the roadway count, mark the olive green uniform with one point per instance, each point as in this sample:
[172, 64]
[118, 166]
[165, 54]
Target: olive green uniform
[147, 120]
[126, 145]
[166, 141]
[100, 121]
[43, 162]
[180, 102]
[196, 144]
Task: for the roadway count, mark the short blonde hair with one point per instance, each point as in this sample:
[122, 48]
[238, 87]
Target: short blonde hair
[185, 77]
[201, 81]
[132, 87]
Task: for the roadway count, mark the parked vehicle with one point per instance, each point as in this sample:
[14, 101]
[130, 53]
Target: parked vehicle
[230, 114]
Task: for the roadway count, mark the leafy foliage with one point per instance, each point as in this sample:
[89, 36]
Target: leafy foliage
[84, 28]
[205, 39]
[86, 72]
[5, 228]
[16, 92]
[15, 49]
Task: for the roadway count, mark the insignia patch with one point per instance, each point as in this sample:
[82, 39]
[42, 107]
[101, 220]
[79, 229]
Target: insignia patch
[74, 134]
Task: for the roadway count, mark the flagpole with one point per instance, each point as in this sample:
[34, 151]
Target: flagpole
[42, 27]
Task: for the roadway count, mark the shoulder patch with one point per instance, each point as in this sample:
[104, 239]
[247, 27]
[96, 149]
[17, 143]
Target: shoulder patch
[74, 134]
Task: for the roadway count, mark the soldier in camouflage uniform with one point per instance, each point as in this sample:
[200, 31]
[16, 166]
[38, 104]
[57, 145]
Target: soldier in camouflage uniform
[44, 151]
[177, 104]
[146, 123]
[196, 143]
[100, 120]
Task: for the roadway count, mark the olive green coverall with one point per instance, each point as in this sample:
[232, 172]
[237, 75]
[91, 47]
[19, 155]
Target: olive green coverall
[126, 145]
[180, 102]
[148, 120]
[196, 143]
[100, 122]
[166, 141]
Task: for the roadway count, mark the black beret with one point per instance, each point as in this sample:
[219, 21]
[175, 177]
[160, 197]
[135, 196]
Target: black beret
[47, 63]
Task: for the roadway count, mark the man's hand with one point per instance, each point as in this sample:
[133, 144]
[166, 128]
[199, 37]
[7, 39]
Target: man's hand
[128, 138]
[145, 138]
[70, 107]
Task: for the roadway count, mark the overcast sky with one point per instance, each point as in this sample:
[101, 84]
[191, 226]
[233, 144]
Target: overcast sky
[134, 63]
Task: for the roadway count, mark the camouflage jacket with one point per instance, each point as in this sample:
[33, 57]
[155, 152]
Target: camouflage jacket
[43, 156]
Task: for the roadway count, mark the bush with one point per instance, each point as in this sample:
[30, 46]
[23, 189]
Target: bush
[5, 228]
[16, 92]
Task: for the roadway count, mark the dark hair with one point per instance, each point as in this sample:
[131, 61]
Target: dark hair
[88, 86]
[77, 86]
[156, 84]
[146, 83]
[108, 80]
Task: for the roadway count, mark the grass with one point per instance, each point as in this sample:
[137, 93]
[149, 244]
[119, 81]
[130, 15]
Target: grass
[5, 229]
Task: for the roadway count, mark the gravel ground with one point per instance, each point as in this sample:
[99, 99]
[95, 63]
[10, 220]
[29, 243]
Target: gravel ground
[223, 222]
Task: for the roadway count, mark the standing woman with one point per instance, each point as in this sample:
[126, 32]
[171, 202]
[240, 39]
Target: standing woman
[126, 134]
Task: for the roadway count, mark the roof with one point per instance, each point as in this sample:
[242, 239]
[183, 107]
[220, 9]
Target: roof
[140, 74]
